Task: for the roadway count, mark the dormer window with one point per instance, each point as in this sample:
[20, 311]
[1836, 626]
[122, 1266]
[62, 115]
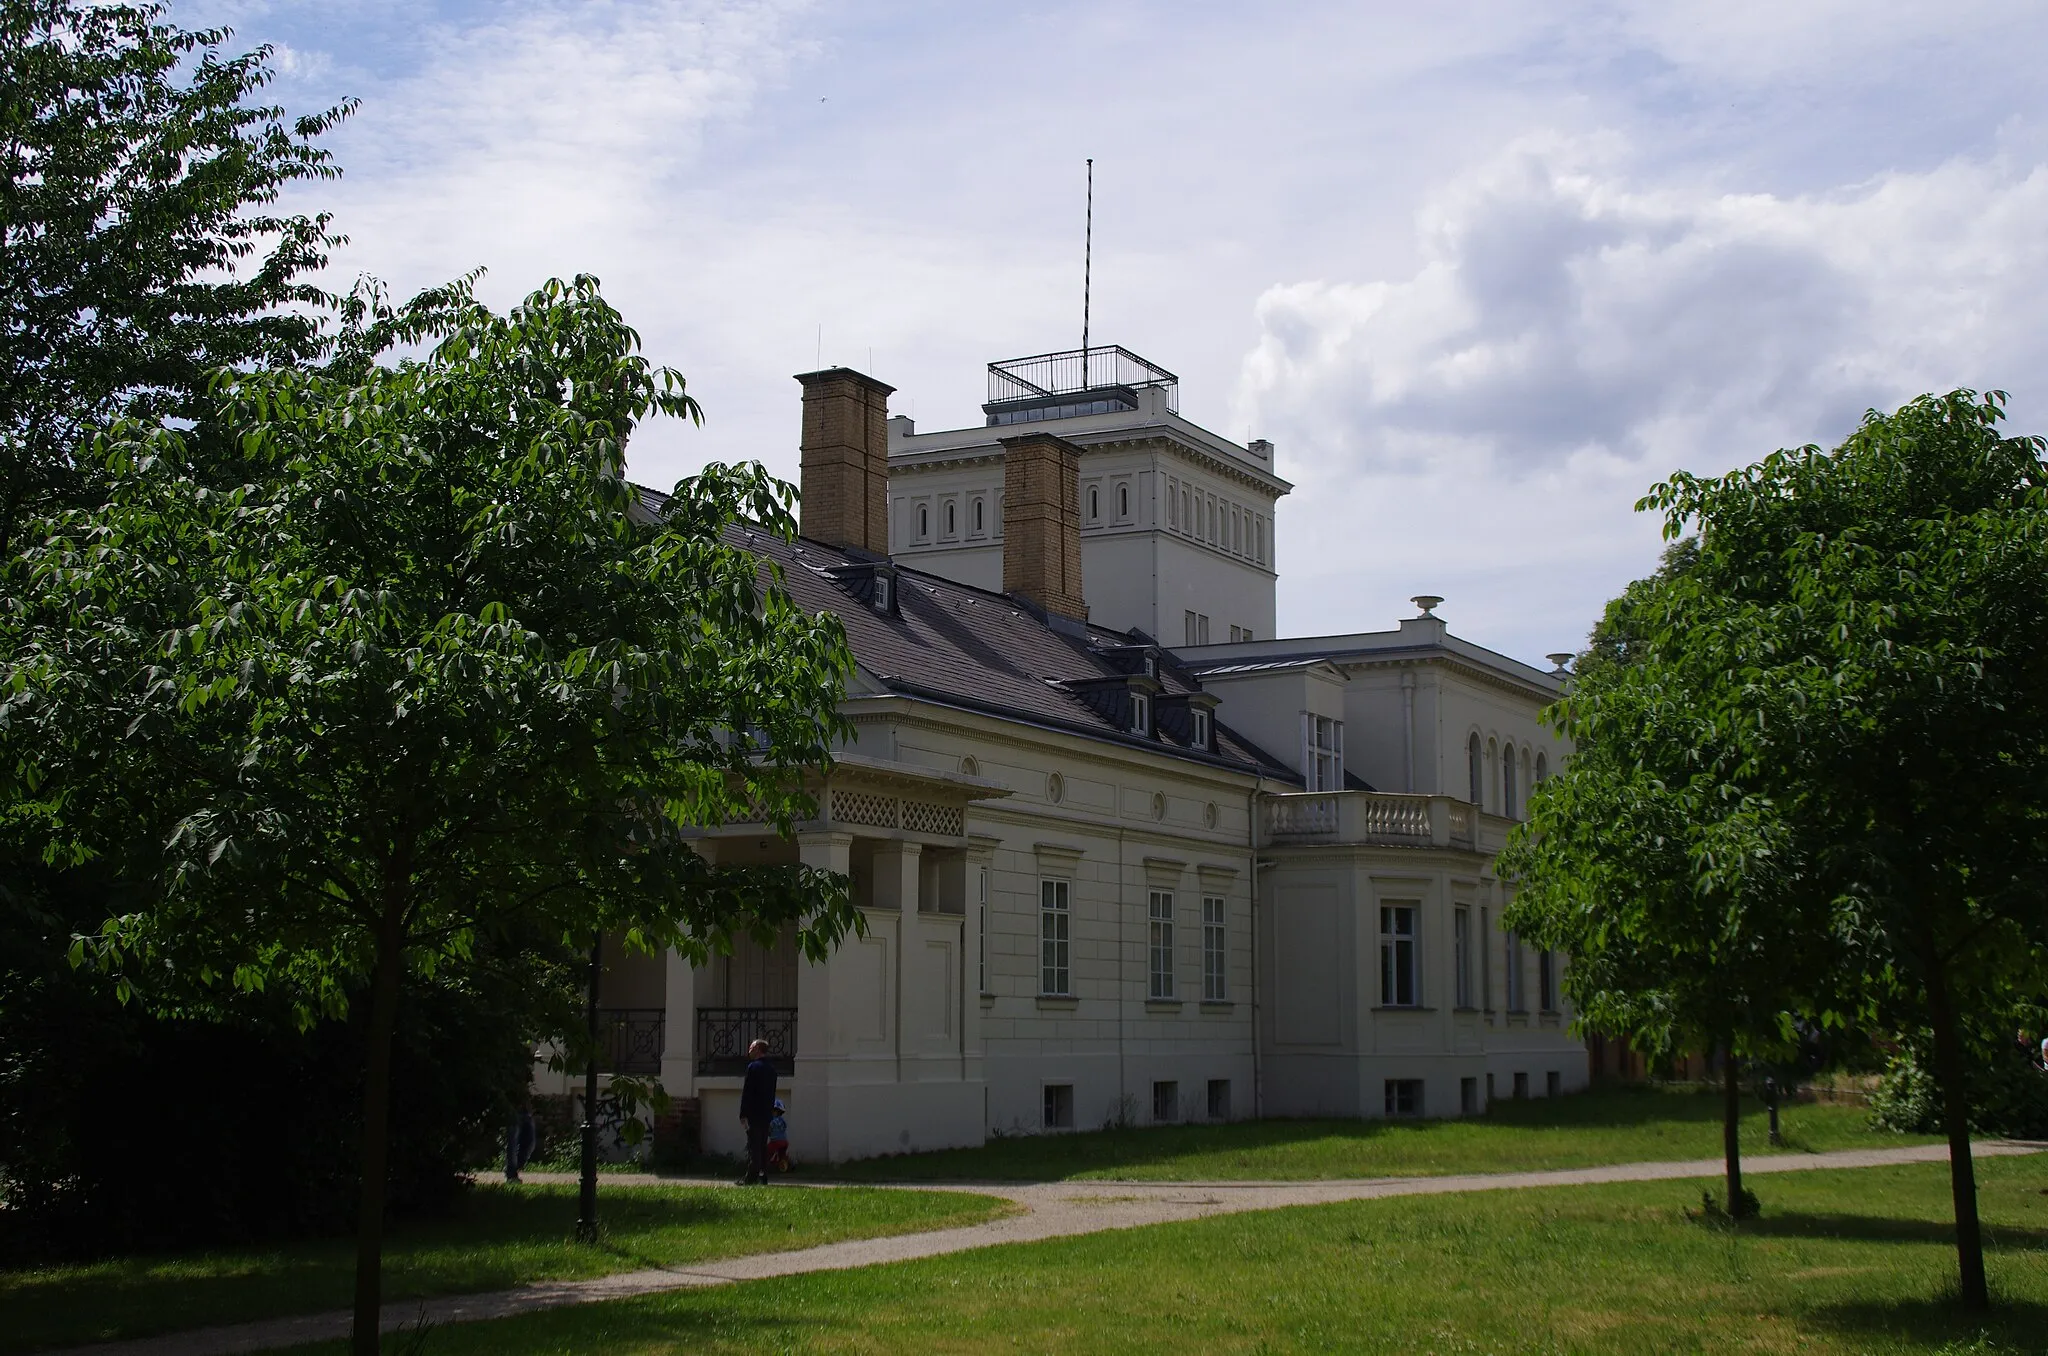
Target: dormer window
[1202, 732]
[1141, 714]
[885, 593]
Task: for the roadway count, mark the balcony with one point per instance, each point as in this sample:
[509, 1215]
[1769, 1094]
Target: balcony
[1372, 818]
[629, 1039]
[723, 1035]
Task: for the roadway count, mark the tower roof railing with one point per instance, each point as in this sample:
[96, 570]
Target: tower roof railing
[1046, 376]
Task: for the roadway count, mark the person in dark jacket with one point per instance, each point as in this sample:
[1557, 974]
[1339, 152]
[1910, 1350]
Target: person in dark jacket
[757, 1108]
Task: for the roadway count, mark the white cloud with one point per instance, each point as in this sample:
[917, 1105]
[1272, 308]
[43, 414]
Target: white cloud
[1572, 334]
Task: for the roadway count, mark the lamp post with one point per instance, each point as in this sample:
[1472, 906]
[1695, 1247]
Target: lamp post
[1771, 1104]
[586, 1212]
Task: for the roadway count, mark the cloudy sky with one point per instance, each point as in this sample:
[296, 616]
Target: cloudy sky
[1482, 271]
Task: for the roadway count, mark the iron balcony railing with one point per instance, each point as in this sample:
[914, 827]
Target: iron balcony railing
[629, 1040]
[723, 1035]
[1044, 376]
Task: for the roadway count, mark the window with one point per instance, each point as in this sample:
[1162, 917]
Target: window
[1188, 621]
[1054, 976]
[1262, 540]
[1404, 1097]
[884, 587]
[1398, 977]
[1160, 911]
[1141, 714]
[981, 938]
[1201, 720]
[1507, 781]
[1461, 953]
[1514, 962]
[1123, 501]
[1094, 503]
[924, 521]
[1553, 1083]
[1468, 1097]
[1187, 523]
[1546, 980]
[1474, 768]
[1236, 529]
[1489, 1087]
[1542, 769]
[1248, 634]
[1219, 1099]
[1323, 754]
[1521, 1087]
[1166, 1102]
[1215, 520]
[1059, 1106]
[1485, 965]
[952, 513]
[980, 522]
[1172, 503]
[1215, 949]
[1236, 634]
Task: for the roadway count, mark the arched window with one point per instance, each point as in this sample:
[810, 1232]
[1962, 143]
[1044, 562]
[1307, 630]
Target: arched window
[951, 525]
[977, 515]
[1507, 781]
[1123, 501]
[1472, 757]
[1094, 503]
[1542, 768]
[924, 521]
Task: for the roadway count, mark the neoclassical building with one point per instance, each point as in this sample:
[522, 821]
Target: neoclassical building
[1124, 855]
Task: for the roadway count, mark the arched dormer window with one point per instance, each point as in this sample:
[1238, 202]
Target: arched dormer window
[1094, 503]
[1476, 768]
[1507, 781]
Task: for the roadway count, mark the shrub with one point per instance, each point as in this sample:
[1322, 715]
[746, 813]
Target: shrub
[2008, 1095]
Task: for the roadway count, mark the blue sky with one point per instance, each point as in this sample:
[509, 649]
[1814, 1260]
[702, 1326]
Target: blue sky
[1482, 272]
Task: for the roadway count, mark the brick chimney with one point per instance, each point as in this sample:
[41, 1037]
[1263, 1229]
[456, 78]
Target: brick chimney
[845, 476]
[1042, 522]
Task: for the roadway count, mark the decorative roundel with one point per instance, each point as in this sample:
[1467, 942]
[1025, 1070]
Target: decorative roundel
[1158, 805]
[1055, 788]
[969, 768]
[1209, 815]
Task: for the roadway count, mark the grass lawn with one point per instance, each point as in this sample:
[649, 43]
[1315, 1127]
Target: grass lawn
[1843, 1261]
[1621, 1125]
[499, 1237]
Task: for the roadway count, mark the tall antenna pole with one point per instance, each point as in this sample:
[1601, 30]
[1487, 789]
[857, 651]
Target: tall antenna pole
[1087, 271]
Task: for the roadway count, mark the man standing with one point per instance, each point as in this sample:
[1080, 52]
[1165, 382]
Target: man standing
[757, 1106]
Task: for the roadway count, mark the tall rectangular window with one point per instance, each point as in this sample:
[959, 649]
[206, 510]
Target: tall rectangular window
[981, 956]
[1215, 949]
[1546, 980]
[1054, 920]
[1188, 625]
[1398, 986]
[1201, 628]
[1461, 953]
[1161, 911]
[1513, 957]
[1485, 962]
[1323, 757]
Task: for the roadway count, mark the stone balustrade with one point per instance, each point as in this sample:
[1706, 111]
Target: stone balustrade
[1377, 818]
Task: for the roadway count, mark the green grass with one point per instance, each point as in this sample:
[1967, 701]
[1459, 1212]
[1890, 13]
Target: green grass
[1843, 1261]
[1621, 1125]
[499, 1237]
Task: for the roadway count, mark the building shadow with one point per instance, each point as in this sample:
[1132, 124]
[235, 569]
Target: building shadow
[1875, 1229]
[1931, 1322]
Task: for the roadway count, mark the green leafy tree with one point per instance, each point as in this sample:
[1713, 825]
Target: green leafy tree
[1865, 633]
[140, 247]
[431, 670]
[1678, 895]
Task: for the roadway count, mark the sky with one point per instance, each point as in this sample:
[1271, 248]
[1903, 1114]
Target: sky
[1483, 272]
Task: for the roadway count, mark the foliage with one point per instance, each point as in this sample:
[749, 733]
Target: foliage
[140, 247]
[1856, 651]
[2008, 1094]
[430, 671]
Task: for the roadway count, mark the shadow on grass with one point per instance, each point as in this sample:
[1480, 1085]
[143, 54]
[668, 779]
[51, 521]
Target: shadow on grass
[1873, 1229]
[2015, 1324]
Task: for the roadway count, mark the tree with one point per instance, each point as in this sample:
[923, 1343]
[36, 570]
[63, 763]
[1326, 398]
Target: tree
[431, 669]
[1866, 631]
[138, 246]
[1677, 893]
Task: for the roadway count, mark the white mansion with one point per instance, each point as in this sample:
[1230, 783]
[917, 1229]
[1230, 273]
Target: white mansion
[1123, 853]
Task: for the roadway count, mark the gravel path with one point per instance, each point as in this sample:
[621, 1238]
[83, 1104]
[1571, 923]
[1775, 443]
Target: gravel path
[1050, 1210]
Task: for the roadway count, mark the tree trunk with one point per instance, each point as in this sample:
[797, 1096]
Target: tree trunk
[364, 1335]
[1949, 1075]
[1731, 1128]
